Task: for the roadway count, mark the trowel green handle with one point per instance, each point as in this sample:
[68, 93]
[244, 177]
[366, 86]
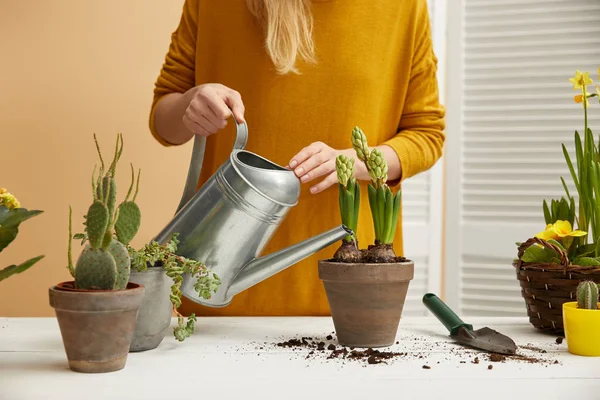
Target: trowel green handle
[446, 316]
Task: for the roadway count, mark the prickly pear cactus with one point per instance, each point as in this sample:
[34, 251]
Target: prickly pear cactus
[587, 295]
[96, 269]
[104, 263]
[128, 223]
[96, 223]
[123, 263]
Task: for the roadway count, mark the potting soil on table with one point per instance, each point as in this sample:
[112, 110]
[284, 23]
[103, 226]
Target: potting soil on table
[326, 349]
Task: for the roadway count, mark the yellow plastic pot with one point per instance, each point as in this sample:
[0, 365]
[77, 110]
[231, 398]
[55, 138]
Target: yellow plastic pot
[582, 330]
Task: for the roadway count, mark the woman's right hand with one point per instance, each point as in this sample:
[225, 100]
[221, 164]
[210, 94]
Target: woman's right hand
[210, 107]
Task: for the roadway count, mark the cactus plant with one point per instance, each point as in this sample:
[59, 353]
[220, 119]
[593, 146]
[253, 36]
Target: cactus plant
[587, 295]
[104, 263]
[11, 216]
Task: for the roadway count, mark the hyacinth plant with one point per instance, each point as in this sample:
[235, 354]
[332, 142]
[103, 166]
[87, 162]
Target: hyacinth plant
[11, 217]
[580, 243]
[349, 202]
[384, 204]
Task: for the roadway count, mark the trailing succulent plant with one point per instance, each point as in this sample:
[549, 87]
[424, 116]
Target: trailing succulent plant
[104, 263]
[349, 203]
[587, 295]
[11, 216]
[385, 206]
[156, 255]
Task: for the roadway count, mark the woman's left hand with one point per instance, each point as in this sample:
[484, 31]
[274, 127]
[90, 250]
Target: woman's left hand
[315, 161]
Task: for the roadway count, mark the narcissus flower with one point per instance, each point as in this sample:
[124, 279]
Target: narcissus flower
[579, 99]
[581, 80]
[558, 230]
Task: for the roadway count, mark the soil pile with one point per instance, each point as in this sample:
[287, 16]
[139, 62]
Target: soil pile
[327, 349]
[319, 347]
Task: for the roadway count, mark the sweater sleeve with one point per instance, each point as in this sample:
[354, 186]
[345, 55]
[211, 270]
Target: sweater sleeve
[420, 137]
[178, 71]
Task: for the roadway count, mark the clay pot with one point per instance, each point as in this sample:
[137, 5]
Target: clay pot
[154, 317]
[96, 325]
[366, 300]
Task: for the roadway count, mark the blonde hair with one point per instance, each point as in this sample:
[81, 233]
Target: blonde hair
[288, 28]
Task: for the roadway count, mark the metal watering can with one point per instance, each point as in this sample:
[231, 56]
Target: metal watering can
[231, 218]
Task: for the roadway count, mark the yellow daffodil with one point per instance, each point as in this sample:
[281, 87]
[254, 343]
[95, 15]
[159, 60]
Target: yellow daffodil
[581, 80]
[579, 99]
[8, 200]
[558, 230]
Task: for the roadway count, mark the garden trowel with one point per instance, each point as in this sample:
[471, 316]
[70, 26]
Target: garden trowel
[484, 339]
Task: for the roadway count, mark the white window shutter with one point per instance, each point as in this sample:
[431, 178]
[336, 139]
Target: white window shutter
[514, 108]
[422, 202]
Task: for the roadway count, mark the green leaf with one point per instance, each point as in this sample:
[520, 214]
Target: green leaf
[570, 165]
[586, 261]
[381, 213]
[557, 244]
[565, 187]
[547, 215]
[388, 216]
[17, 269]
[16, 216]
[373, 205]
[538, 254]
[356, 205]
[585, 250]
[7, 235]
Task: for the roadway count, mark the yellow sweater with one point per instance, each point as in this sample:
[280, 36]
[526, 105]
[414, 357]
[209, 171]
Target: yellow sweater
[376, 69]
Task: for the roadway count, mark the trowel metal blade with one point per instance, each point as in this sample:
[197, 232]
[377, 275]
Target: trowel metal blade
[486, 339]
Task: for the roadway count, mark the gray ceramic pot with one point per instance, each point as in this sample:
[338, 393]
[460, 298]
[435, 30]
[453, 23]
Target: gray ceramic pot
[154, 316]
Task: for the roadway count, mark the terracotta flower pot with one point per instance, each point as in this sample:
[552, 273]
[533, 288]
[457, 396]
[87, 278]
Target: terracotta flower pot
[96, 325]
[366, 300]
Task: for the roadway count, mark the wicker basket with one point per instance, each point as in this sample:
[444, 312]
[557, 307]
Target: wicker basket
[545, 287]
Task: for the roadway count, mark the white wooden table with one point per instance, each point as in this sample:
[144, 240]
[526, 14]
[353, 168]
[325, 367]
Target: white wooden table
[224, 359]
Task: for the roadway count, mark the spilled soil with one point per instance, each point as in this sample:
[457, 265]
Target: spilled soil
[326, 348]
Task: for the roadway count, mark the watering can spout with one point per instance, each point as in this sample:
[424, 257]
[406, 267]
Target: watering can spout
[262, 268]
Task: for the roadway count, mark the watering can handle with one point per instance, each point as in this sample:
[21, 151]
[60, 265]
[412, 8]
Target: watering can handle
[198, 156]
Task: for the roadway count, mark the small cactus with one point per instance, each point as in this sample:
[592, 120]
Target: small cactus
[104, 263]
[587, 295]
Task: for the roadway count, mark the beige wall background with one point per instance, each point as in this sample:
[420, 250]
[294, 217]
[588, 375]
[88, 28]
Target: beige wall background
[69, 69]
